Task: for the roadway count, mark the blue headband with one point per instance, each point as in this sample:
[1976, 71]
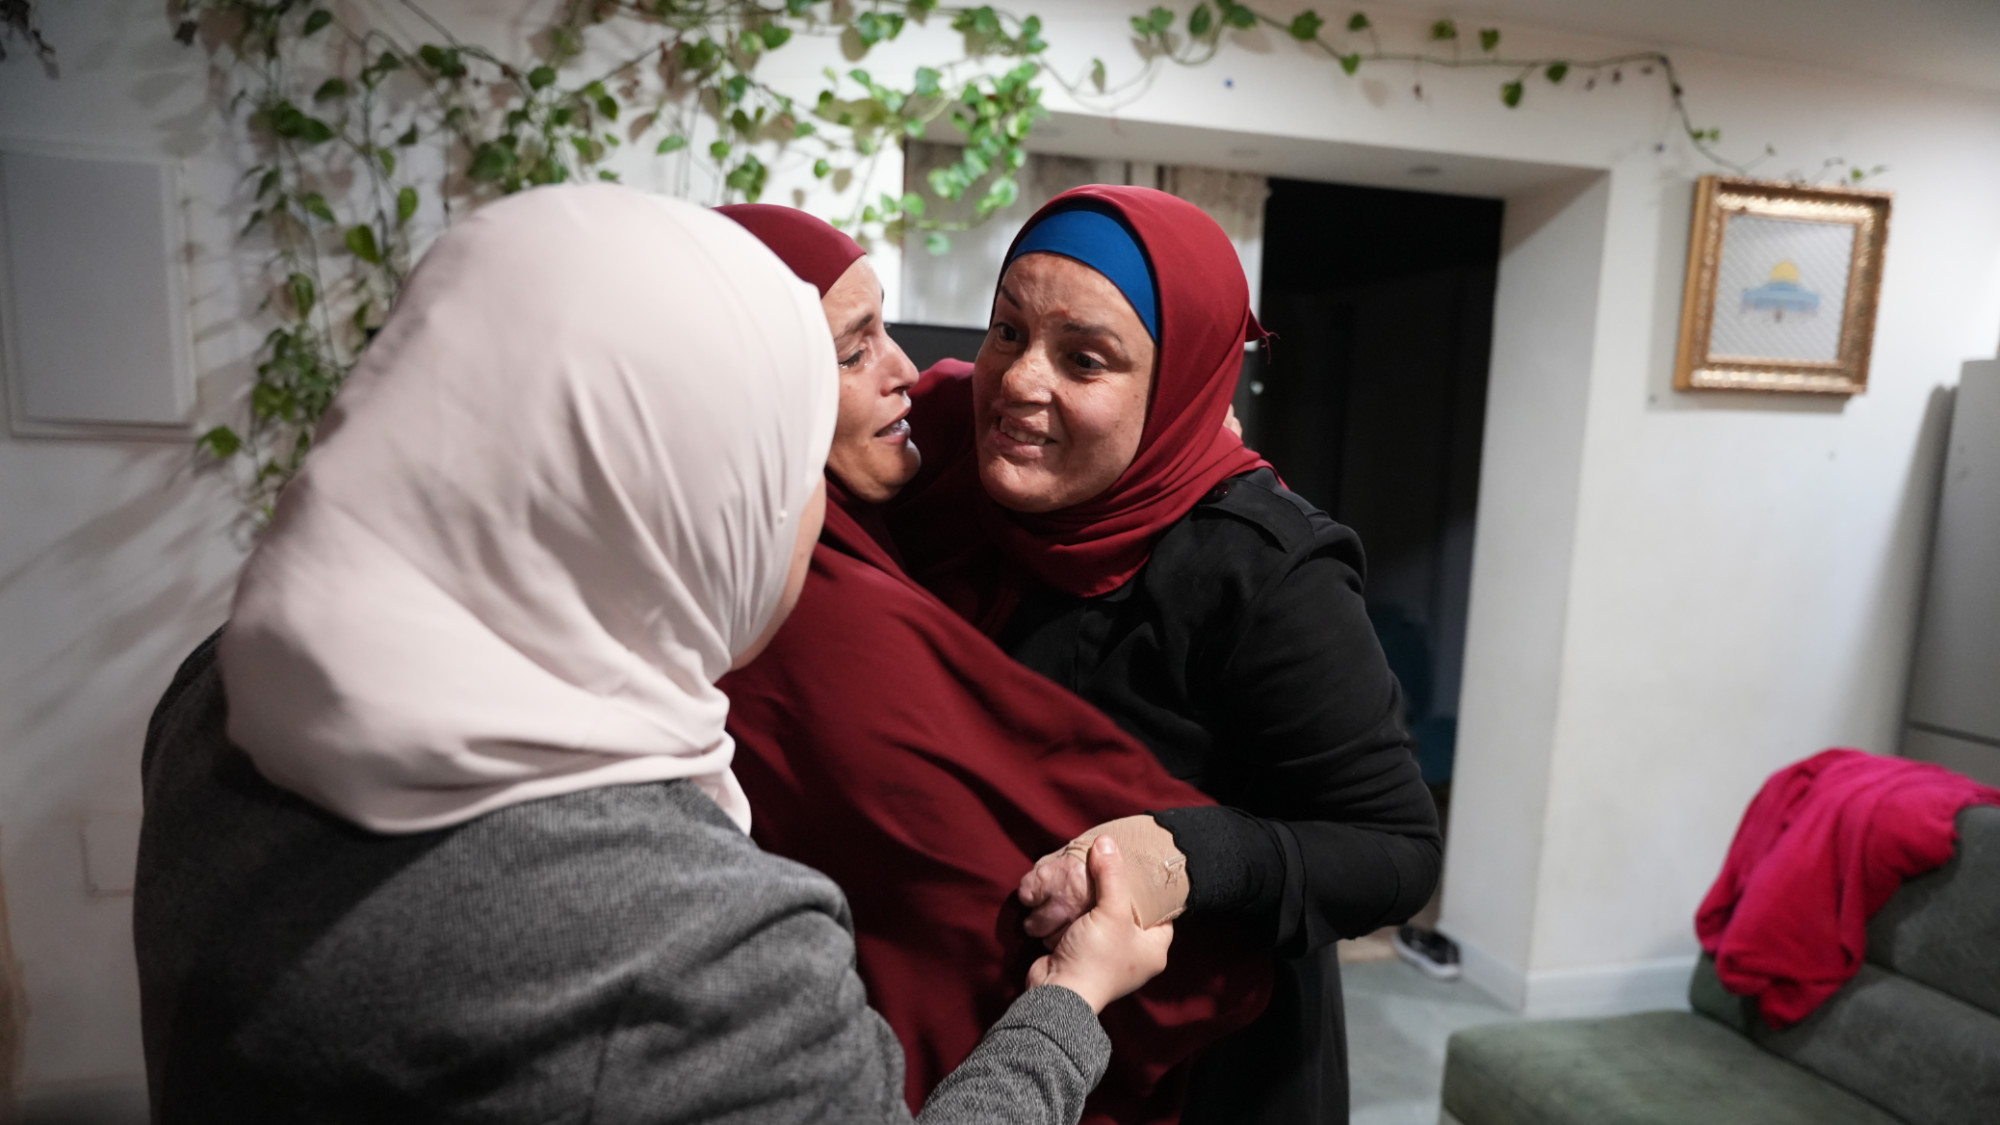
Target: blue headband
[1104, 244]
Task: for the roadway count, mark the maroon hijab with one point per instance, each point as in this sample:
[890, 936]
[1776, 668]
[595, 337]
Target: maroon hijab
[810, 245]
[945, 521]
[887, 743]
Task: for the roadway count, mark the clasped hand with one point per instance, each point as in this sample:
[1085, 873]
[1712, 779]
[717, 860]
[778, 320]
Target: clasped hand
[1104, 952]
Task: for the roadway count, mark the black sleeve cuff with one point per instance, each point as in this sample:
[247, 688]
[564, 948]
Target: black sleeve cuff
[1234, 863]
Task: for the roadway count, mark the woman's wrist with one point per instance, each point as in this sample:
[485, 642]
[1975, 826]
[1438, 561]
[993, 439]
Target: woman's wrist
[1094, 997]
[1233, 864]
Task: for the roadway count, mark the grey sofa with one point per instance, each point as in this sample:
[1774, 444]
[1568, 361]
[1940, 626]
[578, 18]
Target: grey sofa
[1914, 1039]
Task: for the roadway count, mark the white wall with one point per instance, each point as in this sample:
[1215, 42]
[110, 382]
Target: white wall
[1739, 584]
[1682, 593]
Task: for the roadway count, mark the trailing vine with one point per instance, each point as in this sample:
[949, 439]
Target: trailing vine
[365, 135]
[1358, 42]
[370, 139]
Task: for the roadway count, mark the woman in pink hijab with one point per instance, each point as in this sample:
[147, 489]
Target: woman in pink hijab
[443, 828]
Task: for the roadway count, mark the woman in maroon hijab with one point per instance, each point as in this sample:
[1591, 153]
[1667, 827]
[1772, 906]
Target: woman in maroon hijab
[884, 741]
[1151, 564]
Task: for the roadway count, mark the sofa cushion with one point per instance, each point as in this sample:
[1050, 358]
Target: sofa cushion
[1928, 1058]
[1944, 928]
[1654, 1068]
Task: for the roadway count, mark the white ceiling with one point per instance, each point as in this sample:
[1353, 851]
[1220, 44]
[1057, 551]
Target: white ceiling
[1948, 42]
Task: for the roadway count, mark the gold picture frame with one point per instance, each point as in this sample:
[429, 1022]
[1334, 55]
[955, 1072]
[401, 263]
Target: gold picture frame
[1762, 251]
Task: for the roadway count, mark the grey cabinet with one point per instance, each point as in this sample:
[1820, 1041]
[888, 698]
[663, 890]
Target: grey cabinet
[1954, 706]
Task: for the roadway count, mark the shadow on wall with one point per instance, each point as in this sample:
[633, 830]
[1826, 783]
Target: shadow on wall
[123, 557]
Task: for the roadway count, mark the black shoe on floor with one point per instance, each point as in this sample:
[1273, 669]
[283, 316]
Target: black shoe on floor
[1428, 950]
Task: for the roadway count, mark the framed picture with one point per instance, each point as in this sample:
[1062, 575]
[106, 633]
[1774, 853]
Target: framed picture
[1782, 283]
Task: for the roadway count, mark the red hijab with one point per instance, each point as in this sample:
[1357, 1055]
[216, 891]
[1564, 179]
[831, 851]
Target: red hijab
[885, 742]
[810, 245]
[1184, 451]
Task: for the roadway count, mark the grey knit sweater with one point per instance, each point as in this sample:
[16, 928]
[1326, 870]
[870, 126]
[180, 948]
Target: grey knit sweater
[620, 955]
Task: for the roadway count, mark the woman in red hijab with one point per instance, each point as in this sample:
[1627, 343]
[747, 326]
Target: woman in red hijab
[887, 743]
[1151, 564]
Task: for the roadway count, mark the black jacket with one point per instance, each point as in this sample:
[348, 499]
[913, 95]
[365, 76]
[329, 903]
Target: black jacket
[1243, 656]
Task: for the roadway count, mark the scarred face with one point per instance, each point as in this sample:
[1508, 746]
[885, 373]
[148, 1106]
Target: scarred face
[1061, 385]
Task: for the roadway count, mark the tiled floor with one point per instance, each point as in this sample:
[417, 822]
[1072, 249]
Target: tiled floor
[1397, 1022]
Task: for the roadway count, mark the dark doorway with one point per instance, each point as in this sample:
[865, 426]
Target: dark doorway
[1372, 401]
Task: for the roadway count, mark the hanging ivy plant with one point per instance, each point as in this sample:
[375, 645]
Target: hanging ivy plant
[368, 136]
[363, 132]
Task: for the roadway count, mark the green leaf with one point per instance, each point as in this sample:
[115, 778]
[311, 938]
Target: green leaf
[1161, 19]
[922, 7]
[1305, 26]
[871, 28]
[330, 89]
[406, 205]
[541, 78]
[674, 143]
[1237, 15]
[387, 160]
[1097, 74]
[490, 162]
[803, 129]
[1489, 38]
[927, 81]
[300, 289]
[361, 240]
[408, 138]
[219, 443]
[268, 401]
[719, 150]
[607, 106]
[775, 35]
[1443, 30]
[313, 131]
[740, 121]
[268, 184]
[1511, 94]
[1200, 20]
[315, 205]
[1358, 22]
[913, 203]
[999, 196]
[1350, 63]
[736, 87]
[822, 169]
[937, 243]
[1557, 71]
[319, 18]
[748, 178]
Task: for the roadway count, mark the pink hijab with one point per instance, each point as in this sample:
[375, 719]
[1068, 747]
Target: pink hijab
[536, 526]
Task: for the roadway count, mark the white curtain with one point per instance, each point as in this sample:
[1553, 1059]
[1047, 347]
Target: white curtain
[956, 288]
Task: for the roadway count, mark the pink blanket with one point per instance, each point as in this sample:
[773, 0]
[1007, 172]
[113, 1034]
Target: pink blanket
[1824, 845]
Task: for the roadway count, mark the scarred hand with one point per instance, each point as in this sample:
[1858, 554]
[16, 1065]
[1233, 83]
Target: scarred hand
[1106, 953]
[1057, 892]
